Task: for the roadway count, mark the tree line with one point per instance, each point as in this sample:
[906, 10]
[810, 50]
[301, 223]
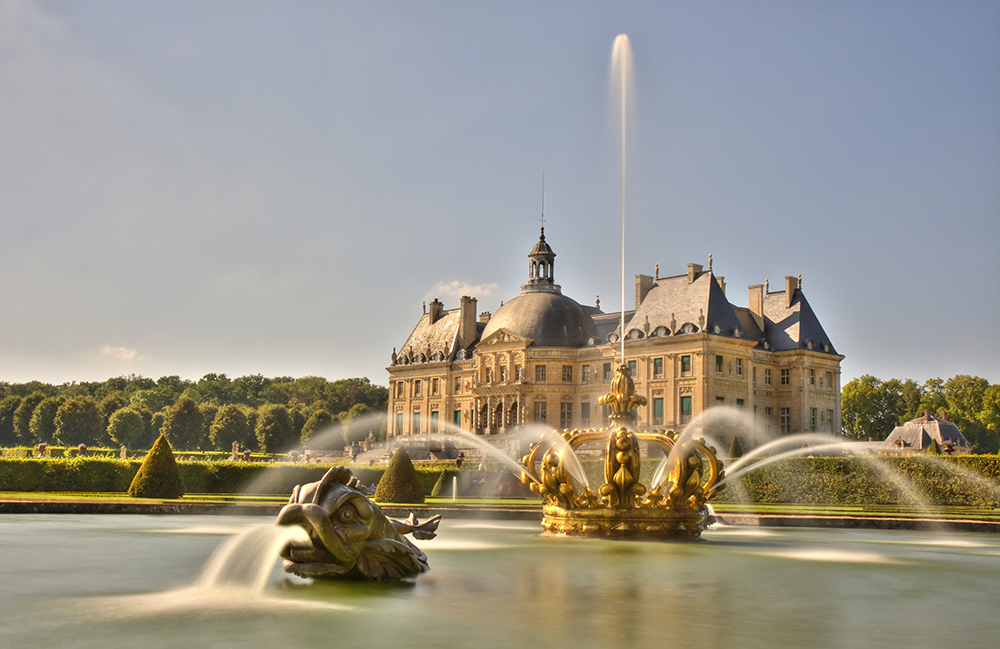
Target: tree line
[871, 407]
[269, 414]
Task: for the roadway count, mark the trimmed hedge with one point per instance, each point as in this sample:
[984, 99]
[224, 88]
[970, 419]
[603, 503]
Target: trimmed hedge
[970, 480]
[158, 476]
[401, 483]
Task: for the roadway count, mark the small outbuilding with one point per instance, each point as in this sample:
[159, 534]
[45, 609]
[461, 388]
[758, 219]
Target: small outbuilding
[917, 435]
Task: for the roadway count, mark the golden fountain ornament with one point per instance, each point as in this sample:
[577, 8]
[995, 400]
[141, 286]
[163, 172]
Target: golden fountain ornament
[673, 509]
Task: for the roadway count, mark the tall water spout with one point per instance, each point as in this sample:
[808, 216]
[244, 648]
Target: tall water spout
[621, 82]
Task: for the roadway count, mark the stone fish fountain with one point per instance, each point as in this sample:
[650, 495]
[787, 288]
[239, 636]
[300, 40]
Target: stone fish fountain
[349, 536]
[674, 508]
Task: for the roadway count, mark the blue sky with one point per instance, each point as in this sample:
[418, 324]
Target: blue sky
[244, 187]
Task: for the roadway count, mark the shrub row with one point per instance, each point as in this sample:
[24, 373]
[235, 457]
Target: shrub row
[972, 480]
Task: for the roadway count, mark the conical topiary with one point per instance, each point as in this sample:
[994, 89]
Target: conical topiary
[444, 486]
[400, 482]
[736, 448]
[158, 477]
[933, 448]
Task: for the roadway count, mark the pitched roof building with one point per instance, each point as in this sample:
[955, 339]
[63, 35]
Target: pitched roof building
[916, 435]
[543, 357]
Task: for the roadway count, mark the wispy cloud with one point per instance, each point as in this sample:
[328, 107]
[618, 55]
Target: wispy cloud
[122, 353]
[457, 288]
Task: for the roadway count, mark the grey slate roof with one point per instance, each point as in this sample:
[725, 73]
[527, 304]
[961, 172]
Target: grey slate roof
[674, 302]
[916, 435]
[793, 327]
[438, 337]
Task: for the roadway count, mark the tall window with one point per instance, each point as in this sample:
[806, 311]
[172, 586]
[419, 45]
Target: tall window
[829, 380]
[540, 412]
[632, 370]
[739, 403]
[685, 365]
[657, 411]
[585, 414]
[458, 384]
[812, 377]
[399, 423]
[767, 376]
[539, 374]
[685, 409]
[586, 374]
[812, 419]
[456, 418]
[769, 419]
[565, 415]
[718, 363]
[607, 371]
[829, 420]
[605, 415]
[416, 388]
[657, 368]
[434, 421]
[567, 373]
[416, 423]
[753, 375]
[435, 386]
[786, 421]
[786, 377]
[739, 367]
[399, 389]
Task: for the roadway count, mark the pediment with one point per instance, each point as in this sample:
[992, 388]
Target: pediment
[504, 337]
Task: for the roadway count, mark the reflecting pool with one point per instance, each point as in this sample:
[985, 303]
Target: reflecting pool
[126, 581]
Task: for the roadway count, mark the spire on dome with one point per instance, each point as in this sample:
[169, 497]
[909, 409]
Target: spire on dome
[541, 264]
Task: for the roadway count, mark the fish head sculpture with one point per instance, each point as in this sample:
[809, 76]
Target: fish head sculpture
[349, 535]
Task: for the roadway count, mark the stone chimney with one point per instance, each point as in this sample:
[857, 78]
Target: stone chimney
[436, 309]
[694, 270]
[790, 285]
[927, 415]
[722, 283]
[756, 303]
[484, 317]
[642, 285]
[467, 322]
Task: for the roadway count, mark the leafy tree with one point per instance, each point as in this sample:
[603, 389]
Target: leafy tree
[208, 412]
[298, 420]
[8, 406]
[358, 422]
[989, 416]
[78, 422]
[183, 425]
[43, 420]
[274, 429]
[112, 402]
[216, 388]
[932, 397]
[319, 420]
[252, 416]
[22, 416]
[230, 425]
[870, 407]
[156, 424]
[126, 426]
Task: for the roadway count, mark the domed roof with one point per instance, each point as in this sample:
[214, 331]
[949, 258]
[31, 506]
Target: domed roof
[549, 319]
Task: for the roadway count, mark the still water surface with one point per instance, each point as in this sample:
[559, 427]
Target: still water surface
[125, 581]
